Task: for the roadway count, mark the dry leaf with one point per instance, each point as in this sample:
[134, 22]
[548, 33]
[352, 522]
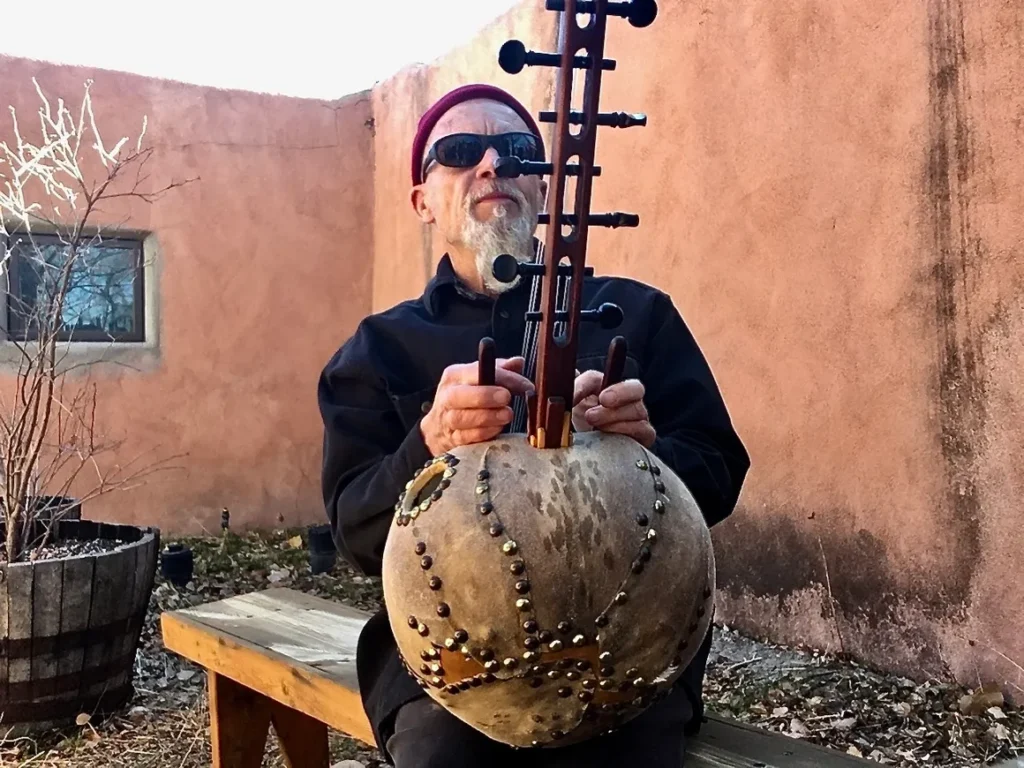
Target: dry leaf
[983, 698]
[852, 750]
[295, 542]
[797, 728]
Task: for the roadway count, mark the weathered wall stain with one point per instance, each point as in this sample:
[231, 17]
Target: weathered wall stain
[958, 254]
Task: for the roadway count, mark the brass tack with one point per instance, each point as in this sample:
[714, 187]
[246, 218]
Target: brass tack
[444, 484]
[511, 663]
[638, 567]
[425, 669]
[481, 489]
[475, 681]
[450, 644]
[652, 534]
[437, 682]
[530, 626]
[529, 656]
[491, 666]
[707, 592]
[436, 495]
[564, 663]
[452, 460]
[523, 604]
[463, 685]
[607, 685]
[632, 672]
[656, 469]
[509, 548]
[641, 464]
[579, 640]
[659, 486]
[531, 642]
[700, 611]
[536, 669]
[426, 655]
[489, 678]
[414, 512]
[555, 645]
[496, 529]
[659, 506]
[639, 682]
[620, 598]
[450, 472]
[605, 657]
[424, 505]
[423, 630]
[556, 735]
[437, 669]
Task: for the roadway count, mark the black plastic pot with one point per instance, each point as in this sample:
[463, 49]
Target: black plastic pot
[322, 552]
[176, 563]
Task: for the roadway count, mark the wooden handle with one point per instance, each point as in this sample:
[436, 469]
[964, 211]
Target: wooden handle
[615, 364]
[486, 357]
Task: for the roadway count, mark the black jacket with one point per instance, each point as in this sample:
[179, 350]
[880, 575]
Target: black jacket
[377, 386]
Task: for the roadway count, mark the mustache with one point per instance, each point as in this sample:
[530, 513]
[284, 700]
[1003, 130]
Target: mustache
[498, 187]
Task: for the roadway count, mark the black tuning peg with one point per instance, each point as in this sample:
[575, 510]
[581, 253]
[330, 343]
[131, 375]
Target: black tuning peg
[611, 119]
[506, 268]
[513, 56]
[510, 167]
[641, 13]
[607, 315]
[612, 220]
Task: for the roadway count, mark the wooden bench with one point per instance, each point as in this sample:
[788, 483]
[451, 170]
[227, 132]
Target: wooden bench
[288, 658]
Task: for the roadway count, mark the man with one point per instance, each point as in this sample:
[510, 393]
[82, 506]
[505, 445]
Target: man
[404, 389]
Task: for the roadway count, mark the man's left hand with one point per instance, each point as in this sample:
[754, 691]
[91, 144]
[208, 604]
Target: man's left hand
[619, 408]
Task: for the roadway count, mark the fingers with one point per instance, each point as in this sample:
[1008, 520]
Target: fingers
[586, 385]
[456, 419]
[601, 416]
[622, 393]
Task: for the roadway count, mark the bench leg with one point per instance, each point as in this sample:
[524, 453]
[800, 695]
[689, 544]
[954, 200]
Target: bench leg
[239, 722]
[303, 739]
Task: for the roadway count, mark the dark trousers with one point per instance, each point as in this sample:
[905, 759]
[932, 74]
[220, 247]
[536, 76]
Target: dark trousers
[427, 736]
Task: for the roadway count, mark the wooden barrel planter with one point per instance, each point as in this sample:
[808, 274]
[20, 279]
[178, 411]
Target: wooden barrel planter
[70, 627]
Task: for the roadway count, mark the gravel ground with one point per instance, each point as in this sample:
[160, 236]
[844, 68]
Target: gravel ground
[799, 692]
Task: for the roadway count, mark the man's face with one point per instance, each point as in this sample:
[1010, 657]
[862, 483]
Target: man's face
[474, 210]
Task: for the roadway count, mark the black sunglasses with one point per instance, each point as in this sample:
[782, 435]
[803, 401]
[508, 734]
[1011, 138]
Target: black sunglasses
[464, 150]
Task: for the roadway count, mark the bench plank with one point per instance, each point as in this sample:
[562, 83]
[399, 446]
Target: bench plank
[300, 651]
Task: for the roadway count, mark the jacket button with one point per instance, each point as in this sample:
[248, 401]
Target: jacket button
[425, 406]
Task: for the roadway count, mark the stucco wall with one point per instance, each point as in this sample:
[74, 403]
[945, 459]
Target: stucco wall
[264, 267]
[831, 193]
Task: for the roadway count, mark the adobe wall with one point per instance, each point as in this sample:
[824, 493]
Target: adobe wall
[264, 266]
[831, 194]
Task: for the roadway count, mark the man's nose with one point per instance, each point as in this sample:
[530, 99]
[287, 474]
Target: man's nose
[485, 168]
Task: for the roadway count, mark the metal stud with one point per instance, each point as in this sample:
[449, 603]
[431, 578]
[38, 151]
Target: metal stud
[607, 671]
[565, 692]
[481, 489]
[556, 735]
[555, 645]
[413, 622]
[530, 656]
[489, 678]
[582, 665]
[707, 592]
[426, 561]
[423, 630]
[564, 627]
[605, 657]
[620, 598]
[579, 640]
[545, 636]
[523, 586]
[523, 604]
[425, 669]
[444, 484]
[452, 460]
[659, 506]
[536, 669]
[606, 685]
[437, 669]
[509, 547]
[450, 472]
[530, 626]
[443, 610]
[638, 567]
[601, 621]
[639, 682]
[486, 654]
[491, 666]
[511, 663]
[536, 682]
[645, 553]
[463, 685]
[426, 655]
[554, 674]
[655, 469]
[437, 682]
[497, 529]
[651, 534]
[483, 474]
[642, 519]
[584, 696]
[424, 505]
[436, 495]
[531, 642]
[572, 674]
[414, 512]
[450, 644]
[700, 611]
[486, 508]
[564, 663]
[421, 547]
[659, 486]
[435, 583]
[461, 636]
[641, 464]
[475, 681]
[632, 672]
[589, 683]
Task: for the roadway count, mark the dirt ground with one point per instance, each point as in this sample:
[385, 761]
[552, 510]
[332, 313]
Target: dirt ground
[803, 693]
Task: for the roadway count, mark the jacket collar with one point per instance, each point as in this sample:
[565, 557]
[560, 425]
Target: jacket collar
[446, 285]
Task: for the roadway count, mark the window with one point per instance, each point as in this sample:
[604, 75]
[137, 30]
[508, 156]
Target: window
[105, 291]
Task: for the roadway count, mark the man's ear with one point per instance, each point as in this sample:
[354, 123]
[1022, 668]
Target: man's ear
[543, 190]
[418, 198]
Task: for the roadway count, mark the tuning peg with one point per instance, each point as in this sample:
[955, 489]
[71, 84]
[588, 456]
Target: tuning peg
[641, 13]
[608, 316]
[507, 267]
[510, 167]
[612, 119]
[612, 220]
[513, 56]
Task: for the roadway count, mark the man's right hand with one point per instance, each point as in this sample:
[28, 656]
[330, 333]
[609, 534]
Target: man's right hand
[464, 412]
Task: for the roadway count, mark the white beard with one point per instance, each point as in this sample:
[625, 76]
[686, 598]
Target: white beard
[502, 234]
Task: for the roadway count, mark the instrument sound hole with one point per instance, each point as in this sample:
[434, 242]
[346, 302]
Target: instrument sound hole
[569, 201]
[428, 488]
[576, 97]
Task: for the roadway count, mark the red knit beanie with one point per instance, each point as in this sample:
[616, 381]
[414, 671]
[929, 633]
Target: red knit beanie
[449, 100]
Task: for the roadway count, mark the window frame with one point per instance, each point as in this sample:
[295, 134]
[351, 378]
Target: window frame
[14, 328]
